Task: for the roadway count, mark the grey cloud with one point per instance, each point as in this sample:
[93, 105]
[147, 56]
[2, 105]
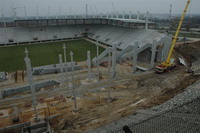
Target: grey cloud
[94, 6]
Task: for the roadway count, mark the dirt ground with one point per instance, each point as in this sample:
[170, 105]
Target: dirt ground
[139, 93]
[191, 52]
[153, 89]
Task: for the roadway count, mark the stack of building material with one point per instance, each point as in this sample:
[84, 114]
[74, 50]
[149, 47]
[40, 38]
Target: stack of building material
[196, 67]
[39, 127]
[3, 76]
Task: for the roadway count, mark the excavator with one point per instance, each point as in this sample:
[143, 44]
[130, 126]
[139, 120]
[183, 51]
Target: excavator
[168, 65]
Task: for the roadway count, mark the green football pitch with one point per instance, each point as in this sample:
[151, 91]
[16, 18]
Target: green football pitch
[12, 57]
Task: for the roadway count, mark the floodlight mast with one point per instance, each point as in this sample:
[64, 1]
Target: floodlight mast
[170, 12]
[37, 12]
[113, 7]
[86, 13]
[25, 12]
[48, 12]
[70, 11]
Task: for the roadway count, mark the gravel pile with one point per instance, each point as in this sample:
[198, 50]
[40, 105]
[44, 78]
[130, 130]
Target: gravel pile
[191, 92]
[189, 108]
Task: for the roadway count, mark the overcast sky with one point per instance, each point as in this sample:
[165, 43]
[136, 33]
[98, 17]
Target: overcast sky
[95, 6]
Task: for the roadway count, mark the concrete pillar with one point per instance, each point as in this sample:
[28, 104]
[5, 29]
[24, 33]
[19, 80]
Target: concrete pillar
[153, 53]
[109, 62]
[89, 64]
[26, 52]
[32, 85]
[159, 54]
[1, 94]
[49, 127]
[65, 61]
[107, 15]
[147, 19]
[72, 74]
[138, 16]
[97, 63]
[130, 15]
[61, 70]
[135, 56]
[114, 60]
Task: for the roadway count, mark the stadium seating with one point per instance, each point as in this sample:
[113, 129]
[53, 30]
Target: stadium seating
[24, 88]
[48, 69]
[107, 34]
[124, 36]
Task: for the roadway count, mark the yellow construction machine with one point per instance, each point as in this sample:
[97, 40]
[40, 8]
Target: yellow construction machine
[168, 65]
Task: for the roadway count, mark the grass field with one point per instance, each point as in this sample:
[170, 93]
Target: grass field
[12, 57]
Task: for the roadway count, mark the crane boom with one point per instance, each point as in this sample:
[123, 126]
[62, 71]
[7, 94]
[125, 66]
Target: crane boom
[167, 63]
[177, 33]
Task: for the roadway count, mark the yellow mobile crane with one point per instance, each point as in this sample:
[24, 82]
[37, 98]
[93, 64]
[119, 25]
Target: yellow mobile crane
[167, 65]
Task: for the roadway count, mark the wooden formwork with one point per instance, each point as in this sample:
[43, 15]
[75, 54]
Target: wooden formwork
[28, 113]
[5, 119]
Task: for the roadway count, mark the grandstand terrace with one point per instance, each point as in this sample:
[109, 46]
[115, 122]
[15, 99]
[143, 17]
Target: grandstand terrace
[109, 31]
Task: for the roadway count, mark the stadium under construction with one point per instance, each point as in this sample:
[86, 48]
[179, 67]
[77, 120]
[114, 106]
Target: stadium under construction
[116, 91]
